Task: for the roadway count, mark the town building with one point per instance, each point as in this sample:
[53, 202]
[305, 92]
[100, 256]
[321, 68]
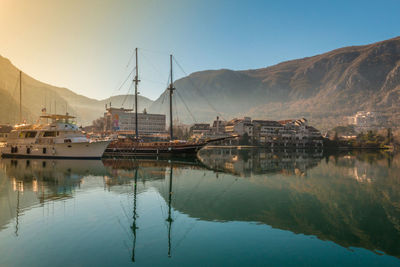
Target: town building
[218, 127]
[286, 133]
[365, 120]
[124, 121]
[4, 131]
[200, 130]
[240, 126]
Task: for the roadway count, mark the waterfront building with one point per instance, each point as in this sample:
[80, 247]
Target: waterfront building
[366, 120]
[285, 133]
[240, 126]
[218, 127]
[124, 121]
[4, 132]
[200, 130]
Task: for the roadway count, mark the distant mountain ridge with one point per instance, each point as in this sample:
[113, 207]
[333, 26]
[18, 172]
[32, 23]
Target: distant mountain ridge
[37, 95]
[323, 88]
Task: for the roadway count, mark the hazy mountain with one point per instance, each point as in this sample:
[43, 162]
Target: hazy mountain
[36, 95]
[322, 88]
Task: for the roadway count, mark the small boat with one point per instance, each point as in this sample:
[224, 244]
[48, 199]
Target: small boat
[59, 139]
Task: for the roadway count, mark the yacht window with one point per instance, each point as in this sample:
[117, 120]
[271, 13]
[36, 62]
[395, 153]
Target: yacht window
[30, 134]
[49, 134]
[67, 140]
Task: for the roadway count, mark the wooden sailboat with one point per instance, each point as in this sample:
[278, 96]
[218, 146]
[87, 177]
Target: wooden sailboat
[135, 146]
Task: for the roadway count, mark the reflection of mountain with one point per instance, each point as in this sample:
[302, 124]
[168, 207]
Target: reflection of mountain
[249, 162]
[330, 202]
[352, 200]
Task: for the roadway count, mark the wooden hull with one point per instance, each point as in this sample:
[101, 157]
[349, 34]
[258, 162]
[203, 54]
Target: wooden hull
[152, 150]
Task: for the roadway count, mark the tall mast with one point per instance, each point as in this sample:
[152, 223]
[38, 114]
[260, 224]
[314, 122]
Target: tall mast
[171, 91]
[136, 80]
[20, 96]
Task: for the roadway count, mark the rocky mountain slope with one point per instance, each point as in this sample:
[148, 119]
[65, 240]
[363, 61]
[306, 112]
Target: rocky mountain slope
[36, 95]
[323, 88]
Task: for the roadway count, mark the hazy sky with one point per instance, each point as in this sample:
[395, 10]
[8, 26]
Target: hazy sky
[86, 45]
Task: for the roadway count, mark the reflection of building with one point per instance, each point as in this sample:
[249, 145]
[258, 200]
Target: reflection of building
[249, 162]
[123, 120]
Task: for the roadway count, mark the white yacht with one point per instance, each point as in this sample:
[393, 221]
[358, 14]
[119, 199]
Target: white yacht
[58, 139]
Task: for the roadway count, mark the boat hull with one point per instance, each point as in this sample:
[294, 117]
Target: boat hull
[83, 150]
[135, 150]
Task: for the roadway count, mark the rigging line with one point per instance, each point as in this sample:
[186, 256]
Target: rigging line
[197, 89]
[129, 75]
[130, 60]
[160, 73]
[187, 108]
[126, 96]
[176, 110]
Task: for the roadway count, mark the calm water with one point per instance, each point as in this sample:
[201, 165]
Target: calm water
[231, 207]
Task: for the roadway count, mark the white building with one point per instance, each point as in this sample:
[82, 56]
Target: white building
[123, 120]
[240, 126]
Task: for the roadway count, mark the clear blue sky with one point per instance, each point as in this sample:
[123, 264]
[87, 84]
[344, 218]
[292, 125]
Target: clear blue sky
[86, 45]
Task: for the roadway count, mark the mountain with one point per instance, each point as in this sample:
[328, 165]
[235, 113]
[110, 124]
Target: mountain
[36, 95]
[323, 88]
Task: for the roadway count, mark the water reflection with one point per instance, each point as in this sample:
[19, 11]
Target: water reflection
[350, 199]
[246, 162]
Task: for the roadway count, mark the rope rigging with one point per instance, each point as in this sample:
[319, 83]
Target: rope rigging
[197, 89]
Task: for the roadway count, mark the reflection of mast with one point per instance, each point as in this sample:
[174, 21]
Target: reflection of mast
[169, 219]
[19, 187]
[17, 217]
[134, 227]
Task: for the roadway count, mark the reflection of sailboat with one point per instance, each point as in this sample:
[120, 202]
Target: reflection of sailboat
[169, 219]
[134, 226]
[19, 187]
[28, 183]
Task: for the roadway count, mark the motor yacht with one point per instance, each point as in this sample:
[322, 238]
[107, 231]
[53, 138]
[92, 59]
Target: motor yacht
[61, 138]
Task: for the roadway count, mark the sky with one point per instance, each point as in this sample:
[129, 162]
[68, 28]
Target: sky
[87, 45]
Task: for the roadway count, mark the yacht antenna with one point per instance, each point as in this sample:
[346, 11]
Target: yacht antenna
[171, 91]
[136, 80]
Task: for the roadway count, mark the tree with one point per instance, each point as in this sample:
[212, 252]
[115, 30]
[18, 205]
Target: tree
[98, 125]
